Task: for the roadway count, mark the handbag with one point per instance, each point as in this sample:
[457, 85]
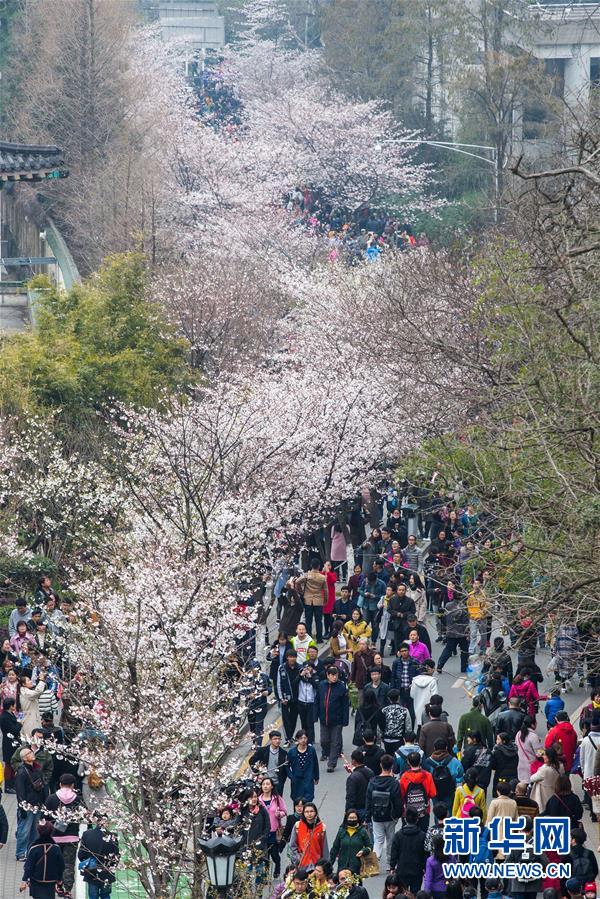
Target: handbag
[369, 865]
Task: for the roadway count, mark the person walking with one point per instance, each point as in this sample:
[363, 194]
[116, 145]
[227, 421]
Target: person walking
[309, 839]
[384, 807]
[457, 634]
[334, 714]
[272, 760]
[303, 768]
[357, 783]
[66, 809]
[44, 865]
[99, 848]
[288, 688]
[417, 788]
[352, 842]
[276, 809]
[408, 856]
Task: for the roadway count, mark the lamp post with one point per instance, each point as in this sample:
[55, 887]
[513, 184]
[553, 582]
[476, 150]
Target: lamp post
[220, 853]
[460, 148]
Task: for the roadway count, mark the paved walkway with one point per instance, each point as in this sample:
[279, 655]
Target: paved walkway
[13, 313]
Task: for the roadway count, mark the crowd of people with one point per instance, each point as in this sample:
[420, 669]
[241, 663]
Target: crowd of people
[60, 819]
[356, 656]
[352, 235]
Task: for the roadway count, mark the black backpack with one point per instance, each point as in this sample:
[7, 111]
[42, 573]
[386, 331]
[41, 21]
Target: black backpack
[381, 805]
[443, 780]
[416, 798]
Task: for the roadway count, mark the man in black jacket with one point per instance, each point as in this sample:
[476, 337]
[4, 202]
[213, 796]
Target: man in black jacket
[399, 606]
[102, 848]
[408, 852]
[357, 783]
[510, 721]
[372, 753]
[271, 760]
[288, 683]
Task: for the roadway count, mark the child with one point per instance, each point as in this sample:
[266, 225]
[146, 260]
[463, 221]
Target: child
[589, 891]
[553, 705]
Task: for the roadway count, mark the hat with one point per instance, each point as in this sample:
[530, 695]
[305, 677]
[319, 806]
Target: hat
[590, 888]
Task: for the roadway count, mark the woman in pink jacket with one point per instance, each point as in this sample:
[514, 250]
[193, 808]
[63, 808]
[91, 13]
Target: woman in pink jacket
[524, 688]
[277, 812]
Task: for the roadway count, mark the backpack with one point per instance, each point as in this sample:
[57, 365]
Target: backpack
[467, 803]
[443, 780]
[416, 797]
[381, 805]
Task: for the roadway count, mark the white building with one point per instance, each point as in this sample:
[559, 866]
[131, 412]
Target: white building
[196, 24]
[568, 38]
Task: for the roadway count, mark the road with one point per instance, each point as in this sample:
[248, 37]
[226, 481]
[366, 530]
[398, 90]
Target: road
[330, 793]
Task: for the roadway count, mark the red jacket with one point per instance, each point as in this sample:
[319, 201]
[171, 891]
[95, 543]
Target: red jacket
[566, 733]
[330, 597]
[418, 776]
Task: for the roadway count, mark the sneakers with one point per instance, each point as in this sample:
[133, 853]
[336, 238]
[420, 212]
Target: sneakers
[330, 770]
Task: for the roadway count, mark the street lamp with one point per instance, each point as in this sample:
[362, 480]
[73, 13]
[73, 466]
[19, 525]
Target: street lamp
[220, 853]
[456, 147]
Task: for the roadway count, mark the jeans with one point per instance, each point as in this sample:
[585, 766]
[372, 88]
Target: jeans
[453, 643]
[383, 832]
[98, 890]
[315, 612]
[478, 634]
[26, 830]
[331, 743]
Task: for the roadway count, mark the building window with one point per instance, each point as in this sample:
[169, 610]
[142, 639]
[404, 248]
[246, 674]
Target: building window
[595, 71]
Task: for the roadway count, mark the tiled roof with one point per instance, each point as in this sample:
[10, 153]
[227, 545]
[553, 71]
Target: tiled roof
[29, 161]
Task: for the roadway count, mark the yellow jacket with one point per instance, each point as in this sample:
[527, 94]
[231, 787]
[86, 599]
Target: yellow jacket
[462, 791]
[478, 605]
[353, 632]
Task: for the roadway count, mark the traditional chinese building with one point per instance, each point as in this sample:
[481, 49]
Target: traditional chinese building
[30, 162]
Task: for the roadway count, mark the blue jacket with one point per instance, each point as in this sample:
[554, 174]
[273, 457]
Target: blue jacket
[454, 767]
[553, 705]
[485, 853]
[370, 593]
[413, 670]
[333, 704]
[310, 772]
[400, 760]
